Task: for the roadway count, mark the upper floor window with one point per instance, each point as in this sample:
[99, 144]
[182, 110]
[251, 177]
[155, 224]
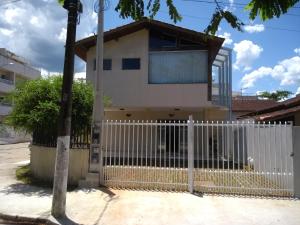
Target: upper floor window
[131, 63]
[163, 41]
[160, 40]
[107, 64]
[178, 67]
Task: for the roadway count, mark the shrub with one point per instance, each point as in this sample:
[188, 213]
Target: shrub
[36, 105]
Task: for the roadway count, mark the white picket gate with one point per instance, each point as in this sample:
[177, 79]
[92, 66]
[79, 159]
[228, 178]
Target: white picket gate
[208, 157]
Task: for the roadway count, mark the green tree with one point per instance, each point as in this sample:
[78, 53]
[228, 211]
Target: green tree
[266, 9]
[277, 95]
[37, 102]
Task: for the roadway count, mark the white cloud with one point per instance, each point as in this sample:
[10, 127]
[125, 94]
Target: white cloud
[246, 53]
[38, 21]
[254, 28]
[286, 71]
[11, 14]
[38, 29]
[230, 7]
[297, 51]
[227, 36]
[81, 75]
[62, 35]
[46, 73]
[6, 32]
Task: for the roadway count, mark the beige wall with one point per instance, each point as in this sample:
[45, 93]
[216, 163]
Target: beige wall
[130, 88]
[42, 161]
[202, 114]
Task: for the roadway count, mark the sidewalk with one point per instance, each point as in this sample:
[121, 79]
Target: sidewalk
[117, 207]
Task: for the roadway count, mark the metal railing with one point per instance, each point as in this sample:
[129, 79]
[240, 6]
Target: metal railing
[80, 139]
[6, 81]
[220, 157]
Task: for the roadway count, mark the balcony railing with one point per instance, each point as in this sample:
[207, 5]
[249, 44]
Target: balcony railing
[6, 81]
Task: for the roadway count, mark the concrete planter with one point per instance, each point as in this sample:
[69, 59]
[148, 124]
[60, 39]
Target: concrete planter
[42, 161]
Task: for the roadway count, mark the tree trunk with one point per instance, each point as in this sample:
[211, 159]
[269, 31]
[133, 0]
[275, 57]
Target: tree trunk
[64, 122]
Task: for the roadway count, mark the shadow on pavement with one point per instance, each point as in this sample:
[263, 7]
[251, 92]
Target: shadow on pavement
[111, 197]
[105, 190]
[66, 221]
[26, 190]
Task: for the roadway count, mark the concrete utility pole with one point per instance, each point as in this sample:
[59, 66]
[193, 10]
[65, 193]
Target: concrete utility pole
[98, 107]
[64, 122]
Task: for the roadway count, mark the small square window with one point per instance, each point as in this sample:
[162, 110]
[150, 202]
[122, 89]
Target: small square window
[107, 63]
[131, 64]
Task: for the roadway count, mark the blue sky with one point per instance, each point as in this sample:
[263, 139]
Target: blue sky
[265, 55]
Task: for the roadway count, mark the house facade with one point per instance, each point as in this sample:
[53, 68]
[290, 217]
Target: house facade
[157, 71]
[13, 69]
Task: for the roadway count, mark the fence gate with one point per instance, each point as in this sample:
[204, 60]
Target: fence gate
[226, 157]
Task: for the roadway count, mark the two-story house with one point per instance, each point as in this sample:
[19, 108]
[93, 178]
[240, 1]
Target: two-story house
[158, 71]
[13, 69]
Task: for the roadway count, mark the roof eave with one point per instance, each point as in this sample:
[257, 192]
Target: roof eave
[82, 46]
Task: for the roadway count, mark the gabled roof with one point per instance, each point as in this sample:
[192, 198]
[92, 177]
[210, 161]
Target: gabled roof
[251, 105]
[282, 109]
[212, 42]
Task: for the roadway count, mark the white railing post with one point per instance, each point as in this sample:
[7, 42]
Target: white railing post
[190, 154]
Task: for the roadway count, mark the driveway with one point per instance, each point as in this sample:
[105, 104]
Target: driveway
[117, 207]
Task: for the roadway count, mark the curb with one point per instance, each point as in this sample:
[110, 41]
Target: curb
[26, 219]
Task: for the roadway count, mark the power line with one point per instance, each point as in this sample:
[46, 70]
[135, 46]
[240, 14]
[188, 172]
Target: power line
[236, 5]
[268, 27]
[226, 3]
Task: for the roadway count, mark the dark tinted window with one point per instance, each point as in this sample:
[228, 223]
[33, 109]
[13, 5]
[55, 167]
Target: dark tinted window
[159, 40]
[184, 42]
[106, 64]
[131, 64]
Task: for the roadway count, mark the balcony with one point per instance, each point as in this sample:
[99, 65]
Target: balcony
[17, 67]
[6, 85]
[222, 79]
[5, 109]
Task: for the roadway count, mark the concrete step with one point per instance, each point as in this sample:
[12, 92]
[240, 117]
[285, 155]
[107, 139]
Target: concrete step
[91, 181]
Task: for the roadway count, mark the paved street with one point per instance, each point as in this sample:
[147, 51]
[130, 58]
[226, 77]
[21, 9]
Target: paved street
[116, 207]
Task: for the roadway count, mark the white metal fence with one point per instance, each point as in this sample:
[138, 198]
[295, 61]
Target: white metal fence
[226, 157]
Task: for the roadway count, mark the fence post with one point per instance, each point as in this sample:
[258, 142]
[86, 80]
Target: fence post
[190, 154]
[296, 160]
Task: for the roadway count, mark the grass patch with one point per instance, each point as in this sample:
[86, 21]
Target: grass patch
[24, 174]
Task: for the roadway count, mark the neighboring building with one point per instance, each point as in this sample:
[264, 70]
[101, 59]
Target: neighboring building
[158, 71]
[286, 111]
[242, 105]
[13, 69]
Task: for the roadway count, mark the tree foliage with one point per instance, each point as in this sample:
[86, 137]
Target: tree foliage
[277, 95]
[266, 9]
[37, 102]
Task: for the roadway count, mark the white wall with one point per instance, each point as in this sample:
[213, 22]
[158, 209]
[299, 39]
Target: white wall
[42, 162]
